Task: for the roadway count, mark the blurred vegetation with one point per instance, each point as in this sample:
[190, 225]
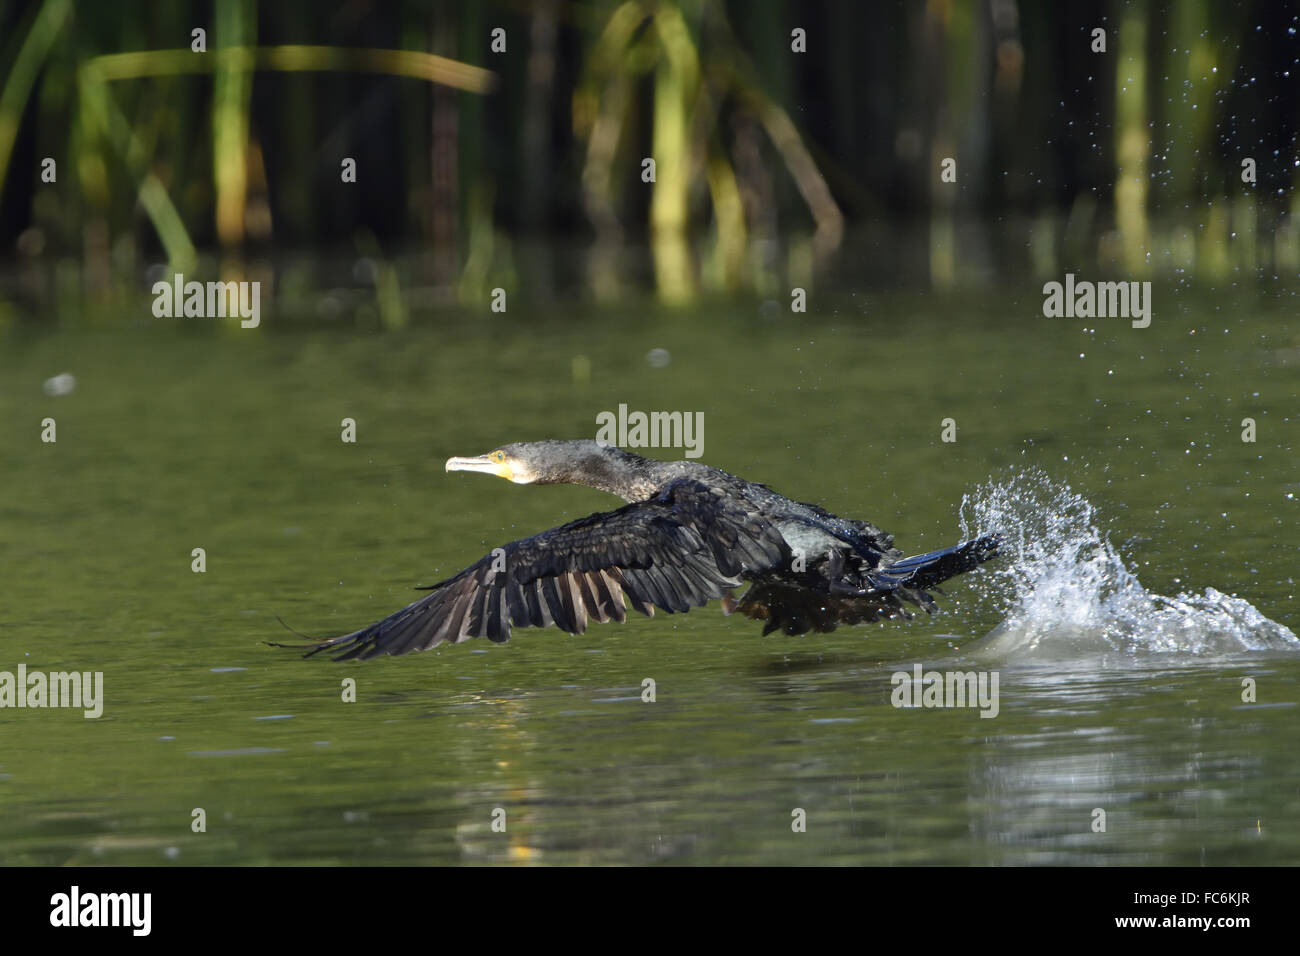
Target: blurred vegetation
[792, 143]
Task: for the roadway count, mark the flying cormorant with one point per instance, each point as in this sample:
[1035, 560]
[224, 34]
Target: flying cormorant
[689, 534]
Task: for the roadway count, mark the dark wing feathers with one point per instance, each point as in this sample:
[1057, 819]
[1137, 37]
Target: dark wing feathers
[797, 610]
[679, 550]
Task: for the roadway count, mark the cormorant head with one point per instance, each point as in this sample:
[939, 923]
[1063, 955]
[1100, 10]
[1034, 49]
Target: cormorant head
[544, 462]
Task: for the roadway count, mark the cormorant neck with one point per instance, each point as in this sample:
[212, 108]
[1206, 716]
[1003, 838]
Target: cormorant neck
[617, 472]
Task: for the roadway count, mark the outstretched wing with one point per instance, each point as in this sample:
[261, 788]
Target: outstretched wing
[679, 550]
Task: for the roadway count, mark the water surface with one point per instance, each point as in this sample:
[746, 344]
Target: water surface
[1112, 456]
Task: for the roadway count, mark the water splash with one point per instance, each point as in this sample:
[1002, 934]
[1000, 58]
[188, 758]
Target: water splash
[1064, 589]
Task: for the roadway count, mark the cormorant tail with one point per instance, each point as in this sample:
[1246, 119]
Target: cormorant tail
[926, 570]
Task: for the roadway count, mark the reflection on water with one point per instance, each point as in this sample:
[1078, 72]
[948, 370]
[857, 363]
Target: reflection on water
[173, 440]
[1108, 747]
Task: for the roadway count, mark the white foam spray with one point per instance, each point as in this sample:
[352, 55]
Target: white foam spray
[1064, 589]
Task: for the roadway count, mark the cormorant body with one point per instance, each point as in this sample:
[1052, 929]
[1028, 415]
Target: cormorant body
[689, 534]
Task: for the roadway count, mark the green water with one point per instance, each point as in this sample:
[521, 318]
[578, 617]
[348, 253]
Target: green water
[181, 436]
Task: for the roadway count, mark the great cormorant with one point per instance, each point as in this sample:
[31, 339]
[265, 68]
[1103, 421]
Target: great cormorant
[689, 534]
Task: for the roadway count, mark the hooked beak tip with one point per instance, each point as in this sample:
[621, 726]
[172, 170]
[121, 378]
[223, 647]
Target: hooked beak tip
[481, 464]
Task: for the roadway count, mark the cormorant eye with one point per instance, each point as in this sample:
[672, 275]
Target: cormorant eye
[499, 455]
